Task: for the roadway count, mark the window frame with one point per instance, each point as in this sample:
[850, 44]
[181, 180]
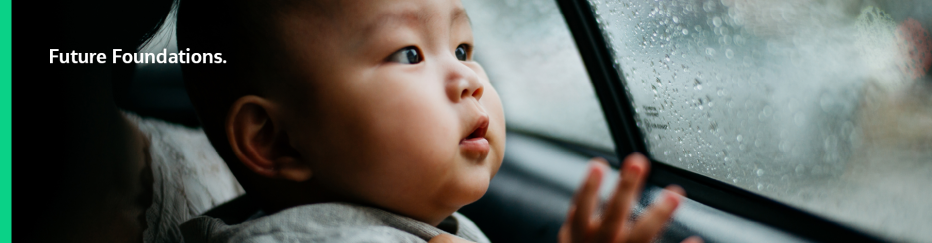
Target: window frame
[609, 83]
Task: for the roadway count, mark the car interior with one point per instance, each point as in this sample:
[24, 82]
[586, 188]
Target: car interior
[784, 121]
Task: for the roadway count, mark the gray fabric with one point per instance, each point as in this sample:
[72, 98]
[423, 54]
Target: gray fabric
[325, 222]
[189, 177]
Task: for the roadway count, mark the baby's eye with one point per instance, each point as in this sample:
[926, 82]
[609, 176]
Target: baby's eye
[407, 55]
[461, 52]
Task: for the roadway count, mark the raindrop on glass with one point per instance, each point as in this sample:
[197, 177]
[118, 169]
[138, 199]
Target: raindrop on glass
[826, 103]
[739, 40]
[708, 6]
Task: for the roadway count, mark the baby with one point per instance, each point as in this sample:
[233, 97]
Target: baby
[365, 121]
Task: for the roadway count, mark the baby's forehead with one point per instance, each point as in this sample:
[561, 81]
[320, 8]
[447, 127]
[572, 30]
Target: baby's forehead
[355, 24]
[368, 14]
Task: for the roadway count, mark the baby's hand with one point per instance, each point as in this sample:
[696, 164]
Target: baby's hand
[581, 226]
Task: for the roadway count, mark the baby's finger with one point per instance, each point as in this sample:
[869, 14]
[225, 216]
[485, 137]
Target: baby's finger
[656, 216]
[564, 235]
[618, 207]
[585, 202]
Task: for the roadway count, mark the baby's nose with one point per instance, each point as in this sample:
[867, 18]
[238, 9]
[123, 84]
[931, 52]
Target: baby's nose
[462, 82]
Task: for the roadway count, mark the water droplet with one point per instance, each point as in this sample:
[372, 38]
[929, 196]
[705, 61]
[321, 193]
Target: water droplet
[830, 142]
[826, 102]
[717, 21]
[667, 58]
[760, 186]
[708, 6]
[760, 172]
[724, 40]
[685, 31]
[739, 40]
[676, 19]
[729, 53]
[739, 138]
[709, 51]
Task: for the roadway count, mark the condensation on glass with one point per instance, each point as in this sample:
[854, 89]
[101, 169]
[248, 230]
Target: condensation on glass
[822, 104]
[529, 54]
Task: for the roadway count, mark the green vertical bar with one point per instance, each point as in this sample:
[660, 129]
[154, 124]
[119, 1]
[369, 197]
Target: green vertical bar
[6, 121]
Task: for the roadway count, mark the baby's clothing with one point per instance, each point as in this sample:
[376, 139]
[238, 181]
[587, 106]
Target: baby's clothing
[189, 177]
[328, 222]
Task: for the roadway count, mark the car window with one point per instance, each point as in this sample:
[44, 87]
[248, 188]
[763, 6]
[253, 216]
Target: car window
[531, 59]
[825, 105]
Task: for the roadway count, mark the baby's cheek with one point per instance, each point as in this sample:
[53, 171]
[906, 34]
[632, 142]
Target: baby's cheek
[497, 130]
[493, 106]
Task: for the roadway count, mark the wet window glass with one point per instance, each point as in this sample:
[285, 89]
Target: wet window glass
[529, 54]
[822, 104]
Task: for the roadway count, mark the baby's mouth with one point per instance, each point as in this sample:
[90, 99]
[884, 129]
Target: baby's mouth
[475, 143]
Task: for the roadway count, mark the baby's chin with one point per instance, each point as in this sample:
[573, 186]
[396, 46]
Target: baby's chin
[468, 187]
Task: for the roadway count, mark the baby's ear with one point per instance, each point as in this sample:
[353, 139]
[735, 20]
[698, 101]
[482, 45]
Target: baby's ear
[257, 139]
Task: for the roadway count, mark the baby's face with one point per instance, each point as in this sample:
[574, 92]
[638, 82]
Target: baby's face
[389, 107]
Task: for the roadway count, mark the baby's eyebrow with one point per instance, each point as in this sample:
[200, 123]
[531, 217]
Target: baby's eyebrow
[394, 17]
[458, 15]
[412, 17]
[384, 21]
